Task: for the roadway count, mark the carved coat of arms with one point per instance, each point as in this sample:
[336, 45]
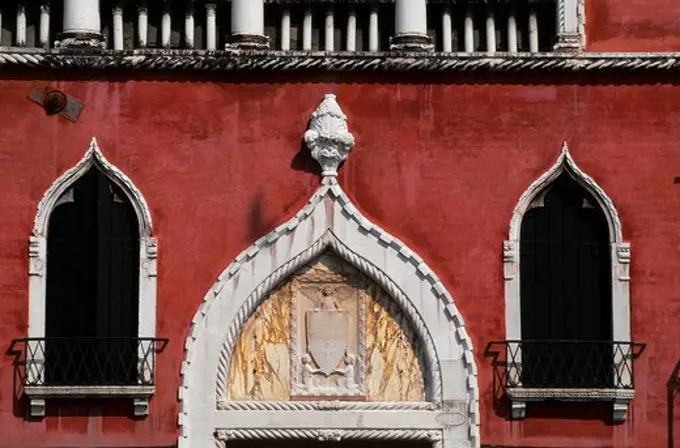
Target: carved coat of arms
[327, 323]
[327, 334]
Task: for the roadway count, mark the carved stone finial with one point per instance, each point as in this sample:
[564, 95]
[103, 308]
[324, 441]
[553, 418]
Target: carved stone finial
[328, 137]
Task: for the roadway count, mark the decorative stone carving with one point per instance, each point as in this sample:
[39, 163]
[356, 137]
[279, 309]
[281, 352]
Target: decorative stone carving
[36, 263]
[341, 334]
[327, 330]
[328, 136]
[426, 311]
[260, 368]
[84, 41]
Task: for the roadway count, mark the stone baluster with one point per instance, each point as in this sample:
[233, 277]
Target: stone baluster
[307, 30]
[166, 25]
[0, 25]
[512, 32]
[189, 26]
[21, 26]
[44, 25]
[81, 25]
[118, 27]
[211, 26]
[329, 30]
[351, 44]
[373, 42]
[533, 31]
[285, 29]
[142, 25]
[410, 26]
[490, 31]
[469, 31]
[447, 37]
[247, 24]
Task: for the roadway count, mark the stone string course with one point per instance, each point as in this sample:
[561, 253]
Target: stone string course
[277, 61]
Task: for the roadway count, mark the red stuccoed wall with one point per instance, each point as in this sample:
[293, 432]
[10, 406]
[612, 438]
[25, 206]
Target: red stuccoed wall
[438, 162]
[633, 25]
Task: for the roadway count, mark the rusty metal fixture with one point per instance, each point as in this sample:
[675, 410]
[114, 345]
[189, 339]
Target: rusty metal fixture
[56, 102]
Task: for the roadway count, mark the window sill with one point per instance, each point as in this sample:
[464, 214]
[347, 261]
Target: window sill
[519, 396]
[140, 395]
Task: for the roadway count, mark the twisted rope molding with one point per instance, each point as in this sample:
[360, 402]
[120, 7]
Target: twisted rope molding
[330, 188]
[277, 61]
[328, 240]
[227, 405]
[93, 157]
[332, 435]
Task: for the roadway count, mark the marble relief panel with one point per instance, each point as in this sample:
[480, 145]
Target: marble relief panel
[260, 366]
[393, 366]
[328, 332]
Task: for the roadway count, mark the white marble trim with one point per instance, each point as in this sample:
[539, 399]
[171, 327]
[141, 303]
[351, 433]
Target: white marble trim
[37, 252]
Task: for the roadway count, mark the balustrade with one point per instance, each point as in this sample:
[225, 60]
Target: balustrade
[458, 26]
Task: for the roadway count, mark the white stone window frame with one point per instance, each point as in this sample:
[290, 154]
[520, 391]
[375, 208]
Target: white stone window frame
[620, 290]
[448, 417]
[571, 25]
[37, 285]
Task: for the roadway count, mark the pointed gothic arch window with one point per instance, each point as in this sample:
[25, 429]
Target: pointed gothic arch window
[92, 289]
[567, 301]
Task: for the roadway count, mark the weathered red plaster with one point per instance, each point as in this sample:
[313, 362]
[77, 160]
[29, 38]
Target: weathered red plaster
[438, 162]
[633, 25]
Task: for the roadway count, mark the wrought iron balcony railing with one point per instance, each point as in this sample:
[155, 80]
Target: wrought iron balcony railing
[568, 364]
[94, 363]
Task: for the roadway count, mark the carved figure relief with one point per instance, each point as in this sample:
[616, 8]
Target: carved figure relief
[327, 329]
[328, 332]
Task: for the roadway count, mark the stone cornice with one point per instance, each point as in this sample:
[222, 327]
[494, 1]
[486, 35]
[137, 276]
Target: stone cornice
[296, 61]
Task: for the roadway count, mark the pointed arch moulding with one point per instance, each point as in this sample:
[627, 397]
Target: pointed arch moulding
[448, 417]
[37, 274]
[620, 286]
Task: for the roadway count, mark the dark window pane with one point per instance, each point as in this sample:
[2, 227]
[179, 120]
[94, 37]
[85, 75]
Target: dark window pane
[565, 285]
[92, 282]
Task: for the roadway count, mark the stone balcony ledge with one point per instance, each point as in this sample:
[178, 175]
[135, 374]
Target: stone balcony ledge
[16, 58]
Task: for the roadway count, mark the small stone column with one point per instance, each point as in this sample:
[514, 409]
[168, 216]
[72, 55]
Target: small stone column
[351, 44]
[142, 24]
[82, 25]
[410, 26]
[373, 42]
[568, 38]
[285, 30]
[118, 27]
[247, 24]
[44, 25]
[211, 26]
